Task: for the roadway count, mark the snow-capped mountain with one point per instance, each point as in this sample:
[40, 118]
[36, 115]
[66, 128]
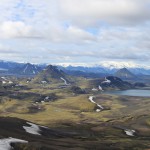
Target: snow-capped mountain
[119, 65]
[105, 64]
[107, 67]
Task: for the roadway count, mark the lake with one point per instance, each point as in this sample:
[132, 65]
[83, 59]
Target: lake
[135, 92]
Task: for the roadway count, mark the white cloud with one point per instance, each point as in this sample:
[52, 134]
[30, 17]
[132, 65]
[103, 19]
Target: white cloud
[10, 29]
[118, 12]
[75, 33]
[86, 30]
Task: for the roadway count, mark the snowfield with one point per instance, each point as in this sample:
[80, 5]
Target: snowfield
[33, 129]
[5, 143]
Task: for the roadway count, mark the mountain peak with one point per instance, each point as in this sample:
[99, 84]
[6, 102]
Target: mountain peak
[51, 75]
[124, 73]
[51, 67]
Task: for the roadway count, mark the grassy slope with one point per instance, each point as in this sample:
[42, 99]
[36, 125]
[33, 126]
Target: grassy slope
[63, 110]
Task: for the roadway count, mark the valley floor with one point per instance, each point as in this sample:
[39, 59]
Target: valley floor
[72, 121]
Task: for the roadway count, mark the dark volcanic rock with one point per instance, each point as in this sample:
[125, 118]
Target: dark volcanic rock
[116, 83]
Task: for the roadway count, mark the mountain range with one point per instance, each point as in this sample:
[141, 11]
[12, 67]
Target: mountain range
[105, 70]
[77, 70]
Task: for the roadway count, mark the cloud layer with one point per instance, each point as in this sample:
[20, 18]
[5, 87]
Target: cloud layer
[75, 31]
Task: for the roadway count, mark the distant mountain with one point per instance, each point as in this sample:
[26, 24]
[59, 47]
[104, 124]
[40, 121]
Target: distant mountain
[85, 70]
[7, 65]
[124, 73]
[78, 73]
[107, 67]
[140, 71]
[105, 64]
[26, 69]
[52, 75]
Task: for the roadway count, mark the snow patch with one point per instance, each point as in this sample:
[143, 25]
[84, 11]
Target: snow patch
[46, 98]
[5, 143]
[33, 129]
[43, 82]
[94, 89]
[10, 82]
[100, 106]
[106, 81]
[98, 110]
[92, 101]
[4, 78]
[64, 81]
[100, 88]
[3, 82]
[25, 69]
[129, 132]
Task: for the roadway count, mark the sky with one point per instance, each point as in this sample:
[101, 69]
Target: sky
[75, 31]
